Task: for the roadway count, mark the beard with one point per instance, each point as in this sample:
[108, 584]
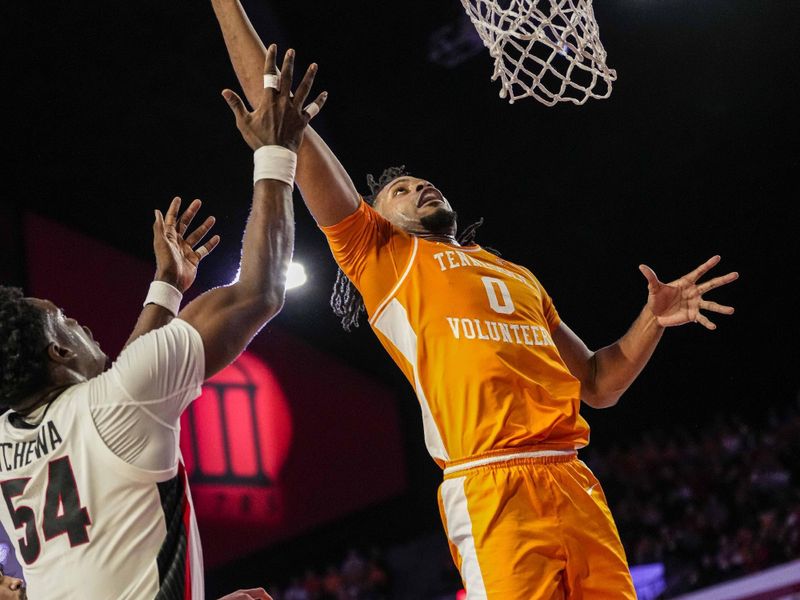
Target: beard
[440, 221]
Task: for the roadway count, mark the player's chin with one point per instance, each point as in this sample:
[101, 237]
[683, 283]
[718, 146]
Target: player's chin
[438, 220]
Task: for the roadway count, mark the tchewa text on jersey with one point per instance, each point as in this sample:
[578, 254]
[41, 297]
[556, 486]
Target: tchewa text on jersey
[18, 454]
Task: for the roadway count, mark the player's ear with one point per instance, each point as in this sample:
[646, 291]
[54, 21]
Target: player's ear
[59, 354]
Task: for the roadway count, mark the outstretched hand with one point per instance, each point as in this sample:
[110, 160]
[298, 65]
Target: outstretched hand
[682, 300]
[279, 119]
[176, 256]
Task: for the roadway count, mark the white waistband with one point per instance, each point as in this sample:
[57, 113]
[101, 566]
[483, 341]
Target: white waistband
[504, 458]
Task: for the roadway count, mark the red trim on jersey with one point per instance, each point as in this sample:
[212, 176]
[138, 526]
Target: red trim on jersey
[187, 526]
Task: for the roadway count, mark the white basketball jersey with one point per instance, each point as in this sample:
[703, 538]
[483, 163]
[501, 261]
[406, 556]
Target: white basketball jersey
[85, 523]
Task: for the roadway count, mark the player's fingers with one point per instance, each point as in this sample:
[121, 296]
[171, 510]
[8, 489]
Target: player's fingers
[188, 215]
[170, 219]
[243, 595]
[287, 70]
[207, 248]
[199, 233]
[258, 594]
[270, 67]
[650, 275]
[271, 74]
[236, 104]
[704, 268]
[312, 110]
[304, 88]
[15, 583]
[717, 282]
[703, 320]
[717, 308]
[158, 223]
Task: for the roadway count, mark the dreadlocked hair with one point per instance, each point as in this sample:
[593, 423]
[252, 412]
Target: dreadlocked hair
[346, 301]
[23, 365]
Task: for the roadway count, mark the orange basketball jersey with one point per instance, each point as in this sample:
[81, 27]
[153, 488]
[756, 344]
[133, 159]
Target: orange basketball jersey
[471, 332]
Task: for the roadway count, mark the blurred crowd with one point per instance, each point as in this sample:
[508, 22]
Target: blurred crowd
[711, 503]
[356, 578]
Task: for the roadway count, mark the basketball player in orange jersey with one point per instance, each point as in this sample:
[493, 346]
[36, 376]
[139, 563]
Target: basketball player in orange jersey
[498, 375]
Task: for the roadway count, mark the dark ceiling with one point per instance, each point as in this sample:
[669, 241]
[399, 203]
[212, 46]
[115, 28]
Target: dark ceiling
[115, 107]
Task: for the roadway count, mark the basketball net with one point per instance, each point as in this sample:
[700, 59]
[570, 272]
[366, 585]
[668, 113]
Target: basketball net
[548, 49]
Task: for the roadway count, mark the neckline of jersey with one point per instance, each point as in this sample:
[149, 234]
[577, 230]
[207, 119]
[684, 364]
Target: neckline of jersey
[470, 248]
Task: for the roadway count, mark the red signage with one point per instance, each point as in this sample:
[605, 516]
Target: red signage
[235, 438]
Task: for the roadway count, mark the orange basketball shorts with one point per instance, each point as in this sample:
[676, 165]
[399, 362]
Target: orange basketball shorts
[527, 526]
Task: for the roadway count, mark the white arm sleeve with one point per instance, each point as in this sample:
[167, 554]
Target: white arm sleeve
[137, 404]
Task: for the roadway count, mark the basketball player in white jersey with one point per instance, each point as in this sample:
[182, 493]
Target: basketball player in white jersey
[94, 494]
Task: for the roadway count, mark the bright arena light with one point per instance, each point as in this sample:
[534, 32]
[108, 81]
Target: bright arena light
[296, 276]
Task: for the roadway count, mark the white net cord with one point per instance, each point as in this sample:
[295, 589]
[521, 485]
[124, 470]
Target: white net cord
[548, 49]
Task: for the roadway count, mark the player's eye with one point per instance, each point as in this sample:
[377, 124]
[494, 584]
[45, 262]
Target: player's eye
[399, 190]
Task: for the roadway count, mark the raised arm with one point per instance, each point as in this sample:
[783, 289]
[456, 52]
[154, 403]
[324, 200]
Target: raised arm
[607, 373]
[327, 189]
[177, 257]
[228, 317]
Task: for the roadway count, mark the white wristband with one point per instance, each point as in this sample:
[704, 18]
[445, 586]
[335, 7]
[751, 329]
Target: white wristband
[164, 295]
[274, 162]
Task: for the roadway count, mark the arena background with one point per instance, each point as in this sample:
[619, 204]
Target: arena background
[114, 108]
